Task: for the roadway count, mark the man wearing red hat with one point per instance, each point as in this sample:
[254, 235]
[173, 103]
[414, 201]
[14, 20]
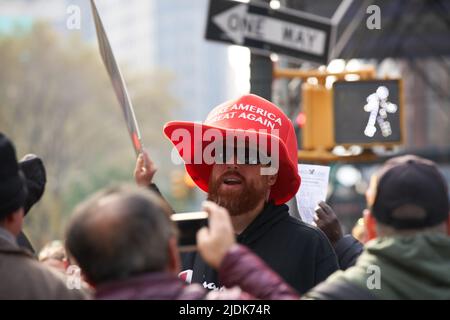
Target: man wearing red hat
[245, 157]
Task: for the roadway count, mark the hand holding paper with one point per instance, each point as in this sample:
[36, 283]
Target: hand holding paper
[312, 190]
[327, 221]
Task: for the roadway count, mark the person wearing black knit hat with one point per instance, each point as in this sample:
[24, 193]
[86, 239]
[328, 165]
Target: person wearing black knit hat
[21, 276]
[35, 177]
[33, 169]
[13, 191]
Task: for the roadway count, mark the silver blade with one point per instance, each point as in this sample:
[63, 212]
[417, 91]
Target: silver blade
[117, 81]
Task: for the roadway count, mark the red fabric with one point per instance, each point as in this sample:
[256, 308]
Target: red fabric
[243, 274]
[150, 286]
[242, 268]
[246, 114]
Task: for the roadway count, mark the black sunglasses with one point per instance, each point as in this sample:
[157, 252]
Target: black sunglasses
[246, 156]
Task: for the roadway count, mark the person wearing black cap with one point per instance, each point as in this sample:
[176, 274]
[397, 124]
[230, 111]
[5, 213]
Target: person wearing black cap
[410, 256]
[36, 178]
[13, 192]
[21, 276]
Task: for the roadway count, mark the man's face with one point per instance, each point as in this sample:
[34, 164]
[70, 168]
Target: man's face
[239, 187]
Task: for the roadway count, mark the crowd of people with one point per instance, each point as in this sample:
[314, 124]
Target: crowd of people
[121, 242]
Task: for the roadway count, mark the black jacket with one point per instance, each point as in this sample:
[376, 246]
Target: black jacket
[299, 253]
[348, 249]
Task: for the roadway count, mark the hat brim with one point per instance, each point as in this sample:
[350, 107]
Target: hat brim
[288, 180]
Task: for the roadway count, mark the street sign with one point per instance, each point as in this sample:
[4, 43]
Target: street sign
[287, 32]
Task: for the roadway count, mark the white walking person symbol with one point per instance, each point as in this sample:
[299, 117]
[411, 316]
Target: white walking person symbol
[379, 106]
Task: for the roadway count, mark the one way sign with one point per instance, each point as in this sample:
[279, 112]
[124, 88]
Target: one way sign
[291, 33]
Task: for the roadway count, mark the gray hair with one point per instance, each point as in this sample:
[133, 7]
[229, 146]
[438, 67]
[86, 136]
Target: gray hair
[120, 232]
[384, 230]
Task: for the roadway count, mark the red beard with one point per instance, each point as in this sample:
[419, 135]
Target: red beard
[240, 200]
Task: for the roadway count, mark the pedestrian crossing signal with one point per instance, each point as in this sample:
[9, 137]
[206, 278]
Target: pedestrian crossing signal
[365, 113]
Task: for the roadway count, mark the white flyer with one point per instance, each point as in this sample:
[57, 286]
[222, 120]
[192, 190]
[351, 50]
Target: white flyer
[313, 189]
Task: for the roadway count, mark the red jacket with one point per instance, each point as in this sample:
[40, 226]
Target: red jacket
[243, 274]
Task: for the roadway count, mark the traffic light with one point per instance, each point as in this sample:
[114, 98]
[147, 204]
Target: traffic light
[367, 113]
[178, 187]
[317, 105]
[364, 113]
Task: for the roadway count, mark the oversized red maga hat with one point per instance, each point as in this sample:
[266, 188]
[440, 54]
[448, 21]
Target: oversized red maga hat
[249, 113]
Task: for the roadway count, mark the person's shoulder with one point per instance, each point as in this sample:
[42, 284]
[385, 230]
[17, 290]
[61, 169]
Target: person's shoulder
[302, 227]
[32, 280]
[337, 287]
[52, 284]
[308, 234]
[17, 258]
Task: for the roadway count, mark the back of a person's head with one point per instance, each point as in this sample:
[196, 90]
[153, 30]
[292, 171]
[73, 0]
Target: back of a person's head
[411, 195]
[53, 250]
[53, 255]
[13, 190]
[118, 233]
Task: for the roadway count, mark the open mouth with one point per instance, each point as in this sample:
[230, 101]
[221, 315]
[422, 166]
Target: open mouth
[232, 180]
